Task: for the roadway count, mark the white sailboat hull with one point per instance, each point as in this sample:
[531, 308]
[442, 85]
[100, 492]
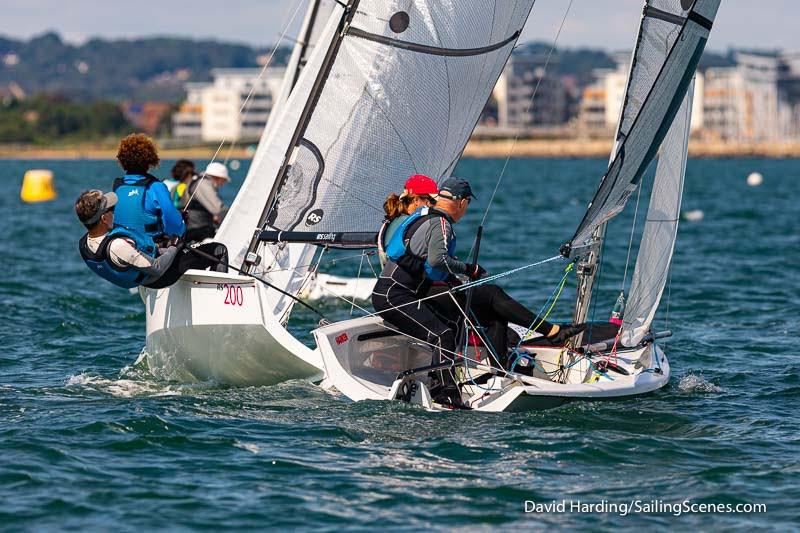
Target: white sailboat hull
[213, 326]
[362, 359]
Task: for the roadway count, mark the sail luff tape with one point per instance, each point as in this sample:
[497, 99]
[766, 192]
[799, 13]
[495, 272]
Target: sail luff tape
[37, 186]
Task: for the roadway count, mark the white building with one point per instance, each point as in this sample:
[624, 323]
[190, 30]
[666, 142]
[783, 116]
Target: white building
[789, 96]
[217, 111]
[523, 74]
[741, 102]
[601, 102]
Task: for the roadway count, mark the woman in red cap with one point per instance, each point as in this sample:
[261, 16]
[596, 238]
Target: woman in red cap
[418, 191]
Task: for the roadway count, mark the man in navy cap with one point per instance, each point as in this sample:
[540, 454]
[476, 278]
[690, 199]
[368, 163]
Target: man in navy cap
[128, 258]
[422, 263]
[421, 254]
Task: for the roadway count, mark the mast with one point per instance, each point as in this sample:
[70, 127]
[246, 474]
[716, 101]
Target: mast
[662, 66]
[251, 257]
[586, 269]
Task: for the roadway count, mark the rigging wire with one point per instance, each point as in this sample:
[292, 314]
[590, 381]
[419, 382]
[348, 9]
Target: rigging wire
[267, 63]
[488, 279]
[527, 110]
[358, 278]
[630, 242]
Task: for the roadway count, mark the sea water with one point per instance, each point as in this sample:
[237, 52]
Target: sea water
[89, 440]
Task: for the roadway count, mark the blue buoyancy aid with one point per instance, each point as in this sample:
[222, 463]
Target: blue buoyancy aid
[100, 263]
[130, 211]
[397, 249]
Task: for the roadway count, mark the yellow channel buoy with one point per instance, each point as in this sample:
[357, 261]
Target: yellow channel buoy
[37, 186]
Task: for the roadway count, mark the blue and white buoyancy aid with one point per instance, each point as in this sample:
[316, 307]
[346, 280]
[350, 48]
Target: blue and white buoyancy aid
[398, 251]
[130, 210]
[101, 264]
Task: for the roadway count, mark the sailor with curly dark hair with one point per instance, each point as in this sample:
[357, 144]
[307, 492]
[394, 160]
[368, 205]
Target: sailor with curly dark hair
[145, 204]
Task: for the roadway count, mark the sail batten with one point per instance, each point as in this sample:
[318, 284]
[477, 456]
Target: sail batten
[432, 50]
[669, 45]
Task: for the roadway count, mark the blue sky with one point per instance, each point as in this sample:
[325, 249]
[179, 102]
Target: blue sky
[608, 24]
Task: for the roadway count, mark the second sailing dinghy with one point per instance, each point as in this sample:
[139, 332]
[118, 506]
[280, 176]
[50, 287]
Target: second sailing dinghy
[367, 358]
[390, 89]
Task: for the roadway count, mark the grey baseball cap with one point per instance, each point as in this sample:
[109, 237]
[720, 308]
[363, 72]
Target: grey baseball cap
[108, 200]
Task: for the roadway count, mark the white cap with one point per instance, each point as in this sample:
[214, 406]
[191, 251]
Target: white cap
[217, 170]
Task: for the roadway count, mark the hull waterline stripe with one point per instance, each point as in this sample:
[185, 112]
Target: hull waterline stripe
[432, 50]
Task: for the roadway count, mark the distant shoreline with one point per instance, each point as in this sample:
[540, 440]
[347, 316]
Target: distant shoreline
[523, 148]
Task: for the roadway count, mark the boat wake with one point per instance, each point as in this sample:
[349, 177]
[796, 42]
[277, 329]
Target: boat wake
[122, 388]
[135, 381]
[692, 383]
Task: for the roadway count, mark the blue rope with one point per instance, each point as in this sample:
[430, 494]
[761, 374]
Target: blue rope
[489, 279]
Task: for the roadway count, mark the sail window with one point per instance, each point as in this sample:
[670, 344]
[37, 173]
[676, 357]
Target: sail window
[294, 203]
[399, 22]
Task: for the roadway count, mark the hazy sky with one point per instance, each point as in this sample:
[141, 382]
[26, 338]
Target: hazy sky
[608, 24]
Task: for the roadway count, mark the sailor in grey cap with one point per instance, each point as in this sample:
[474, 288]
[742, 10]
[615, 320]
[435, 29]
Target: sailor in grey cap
[423, 265]
[128, 258]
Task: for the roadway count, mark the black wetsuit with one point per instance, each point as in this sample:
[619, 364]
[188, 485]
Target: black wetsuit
[494, 309]
[436, 320]
[186, 260]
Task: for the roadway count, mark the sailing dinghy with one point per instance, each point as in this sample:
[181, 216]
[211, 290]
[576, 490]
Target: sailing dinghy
[228, 327]
[367, 358]
[390, 89]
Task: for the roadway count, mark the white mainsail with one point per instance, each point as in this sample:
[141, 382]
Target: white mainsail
[672, 37]
[660, 230]
[317, 15]
[392, 89]
[402, 96]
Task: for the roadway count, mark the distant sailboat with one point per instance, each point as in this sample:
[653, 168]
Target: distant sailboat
[366, 358]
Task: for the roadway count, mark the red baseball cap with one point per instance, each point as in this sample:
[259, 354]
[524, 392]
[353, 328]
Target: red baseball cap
[419, 185]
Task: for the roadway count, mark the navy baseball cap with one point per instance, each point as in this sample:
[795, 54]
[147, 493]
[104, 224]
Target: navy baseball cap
[455, 189]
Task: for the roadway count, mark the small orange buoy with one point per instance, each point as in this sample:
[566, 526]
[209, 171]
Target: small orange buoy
[37, 186]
